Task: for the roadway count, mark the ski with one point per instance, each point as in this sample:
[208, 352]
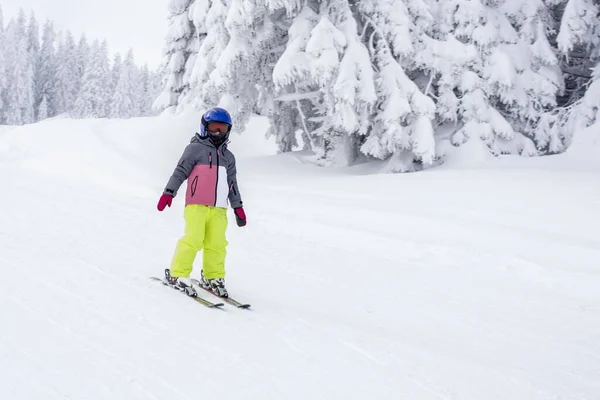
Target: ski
[199, 299]
[227, 300]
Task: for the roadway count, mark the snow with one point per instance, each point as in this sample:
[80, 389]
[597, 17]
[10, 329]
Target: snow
[467, 281]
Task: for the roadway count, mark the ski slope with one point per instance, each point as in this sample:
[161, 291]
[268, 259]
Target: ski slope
[472, 281]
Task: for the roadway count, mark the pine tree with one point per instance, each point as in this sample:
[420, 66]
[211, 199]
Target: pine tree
[104, 77]
[91, 100]
[198, 13]
[180, 33]
[588, 111]
[401, 48]
[123, 104]
[48, 84]
[115, 73]
[243, 64]
[82, 59]
[578, 41]
[396, 80]
[33, 49]
[144, 92]
[341, 67]
[210, 52]
[43, 108]
[19, 99]
[3, 70]
[67, 74]
[296, 93]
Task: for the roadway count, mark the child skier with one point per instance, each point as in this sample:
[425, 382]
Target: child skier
[210, 170]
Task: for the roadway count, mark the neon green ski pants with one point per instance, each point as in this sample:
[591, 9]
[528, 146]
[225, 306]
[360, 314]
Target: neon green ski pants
[205, 229]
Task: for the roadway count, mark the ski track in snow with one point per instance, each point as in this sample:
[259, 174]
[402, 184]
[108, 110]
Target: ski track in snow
[448, 284]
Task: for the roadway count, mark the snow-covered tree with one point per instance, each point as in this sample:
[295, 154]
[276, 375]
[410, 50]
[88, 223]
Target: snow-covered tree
[588, 111]
[145, 91]
[503, 92]
[579, 24]
[67, 74]
[42, 111]
[19, 72]
[399, 44]
[48, 84]
[3, 71]
[43, 79]
[115, 73]
[33, 49]
[212, 48]
[198, 13]
[92, 98]
[577, 27]
[180, 33]
[324, 84]
[341, 68]
[82, 59]
[124, 101]
[296, 93]
[105, 73]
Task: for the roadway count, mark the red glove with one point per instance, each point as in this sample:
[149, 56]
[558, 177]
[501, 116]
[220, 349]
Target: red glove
[240, 216]
[165, 200]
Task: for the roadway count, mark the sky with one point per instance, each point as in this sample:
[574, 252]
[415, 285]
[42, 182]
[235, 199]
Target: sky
[137, 24]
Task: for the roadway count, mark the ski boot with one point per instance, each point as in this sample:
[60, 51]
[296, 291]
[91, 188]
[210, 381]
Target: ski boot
[216, 285]
[183, 284]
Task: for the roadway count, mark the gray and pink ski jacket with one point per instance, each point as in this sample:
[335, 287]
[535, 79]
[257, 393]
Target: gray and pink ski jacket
[210, 174]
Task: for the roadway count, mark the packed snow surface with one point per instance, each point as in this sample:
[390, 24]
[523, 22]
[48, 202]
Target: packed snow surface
[477, 280]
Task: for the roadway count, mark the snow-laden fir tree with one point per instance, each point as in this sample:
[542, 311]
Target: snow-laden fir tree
[19, 73]
[105, 71]
[92, 98]
[396, 80]
[123, 100]
[341, 67]
[296, 93]
[196, 14]
[83, 57]
[587, 111]
[504, 92]
[245, 62]
[210, 50]
[579, 24]
[48, 84]
[197, 62]
[402, 126]
[541, 78]
[180, 34]
[33, 49]
[145, 91]
[235, 58]
[578, 41]
[3, 71]
[324, 84]
[67, 74]
[45, 79]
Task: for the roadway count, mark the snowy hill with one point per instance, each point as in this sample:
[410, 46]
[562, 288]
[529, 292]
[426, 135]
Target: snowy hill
[467, 282]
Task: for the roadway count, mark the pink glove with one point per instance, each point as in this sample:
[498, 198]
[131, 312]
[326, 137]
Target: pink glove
[165, 200]
[240, 216]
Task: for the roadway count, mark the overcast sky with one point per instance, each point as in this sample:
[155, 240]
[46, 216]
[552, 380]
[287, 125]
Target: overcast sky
[139, 24]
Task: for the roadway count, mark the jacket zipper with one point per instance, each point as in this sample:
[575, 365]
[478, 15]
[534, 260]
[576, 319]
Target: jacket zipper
[217, 182]
[209, 160]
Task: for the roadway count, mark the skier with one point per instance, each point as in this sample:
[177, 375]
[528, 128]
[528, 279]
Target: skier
[209, 167]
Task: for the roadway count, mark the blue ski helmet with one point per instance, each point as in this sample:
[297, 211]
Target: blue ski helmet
[215, 114]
